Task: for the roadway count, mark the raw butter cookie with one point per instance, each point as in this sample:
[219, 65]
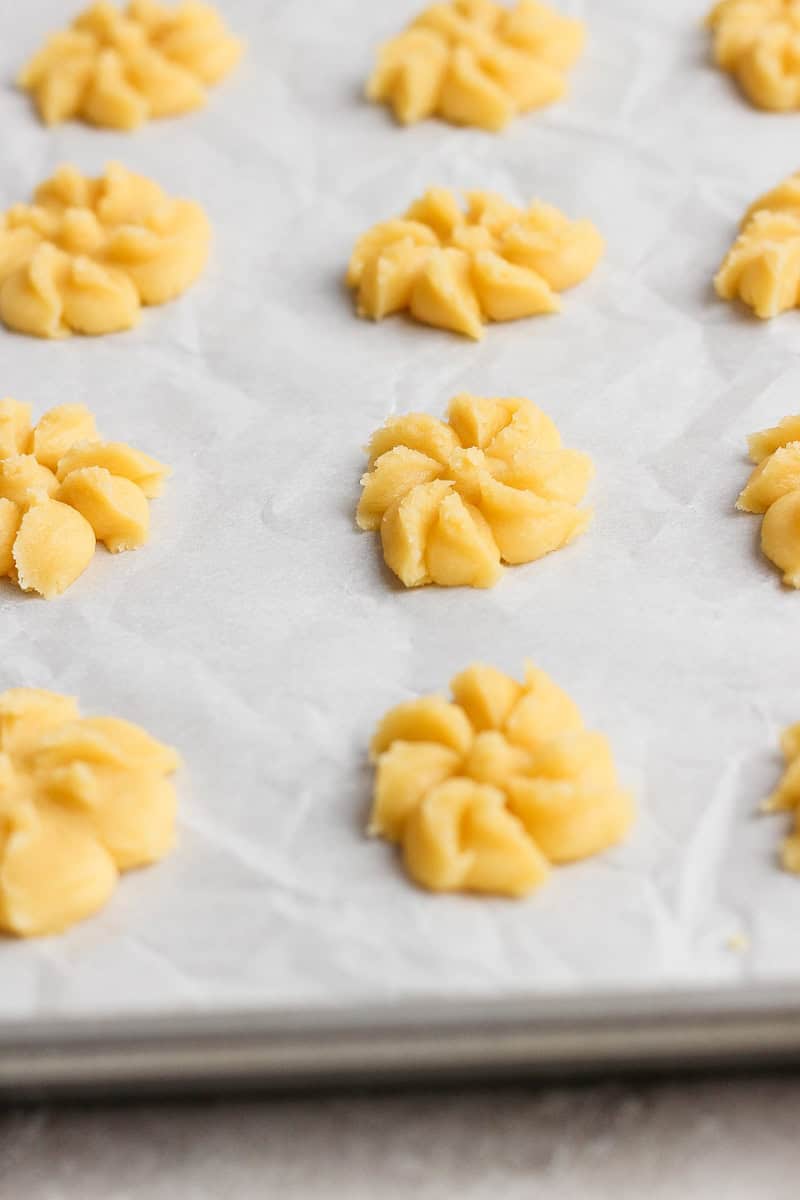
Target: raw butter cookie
[62, 489]
[774, 490]
[758, 43]
[474, 62]
[762, 268]
[118, 69]
[454, 500]
[786, 797]
[81, 799]
[88, 253]
[458, 269]
[484, 792]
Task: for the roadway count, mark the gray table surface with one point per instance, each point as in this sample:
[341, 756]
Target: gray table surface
[733, 1138]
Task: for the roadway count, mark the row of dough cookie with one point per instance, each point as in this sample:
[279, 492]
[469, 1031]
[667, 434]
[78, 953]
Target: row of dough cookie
[87, 254]
[473, 62]
[489, 790]
[84, 799]
[457, 268]
[484, 792]
[477, 62]
[452, 499]
[470, 62]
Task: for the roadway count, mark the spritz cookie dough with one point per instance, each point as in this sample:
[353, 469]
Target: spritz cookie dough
[458, 269]
[762, 268]
[88, 253]
[474, 62]
[485, 791]
[118, 68]
[758, 43]
[774, 490]
[81, 799]
[62, 489]
[786, 797]
[454, 500]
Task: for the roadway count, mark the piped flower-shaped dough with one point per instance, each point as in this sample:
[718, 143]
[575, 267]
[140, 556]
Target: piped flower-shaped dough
[758, 43]
[474, 62]
[762, 268]
[88, 253]
[62, 489]
[484, 792]
[786, 797]
[774, 490]
[457, 269]
[81, 799]
[120, 68]
[454, 500]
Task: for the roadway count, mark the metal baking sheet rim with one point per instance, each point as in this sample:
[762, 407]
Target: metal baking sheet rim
[384, 1044]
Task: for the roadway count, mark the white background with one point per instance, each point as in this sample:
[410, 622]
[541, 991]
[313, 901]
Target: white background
[260, 633]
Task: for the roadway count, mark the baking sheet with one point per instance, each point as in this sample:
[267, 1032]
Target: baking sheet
[259, 632]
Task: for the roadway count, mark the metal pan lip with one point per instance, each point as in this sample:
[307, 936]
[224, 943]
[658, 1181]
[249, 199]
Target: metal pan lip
[391, 1043]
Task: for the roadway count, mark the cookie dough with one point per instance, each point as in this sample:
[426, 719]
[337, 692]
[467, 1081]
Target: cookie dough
[474, 62]
[457, 270]
[81, 799]
[762, 268]
[120, 68]
[88, 253]
[774, 490]
[758, 43]
[484, 792]
[786, 797]
[454, 500]
[62, 488]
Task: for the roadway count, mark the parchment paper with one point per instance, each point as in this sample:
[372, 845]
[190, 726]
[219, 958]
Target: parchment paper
[259, 631]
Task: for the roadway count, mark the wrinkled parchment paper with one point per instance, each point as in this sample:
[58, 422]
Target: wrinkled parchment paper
[259, 631]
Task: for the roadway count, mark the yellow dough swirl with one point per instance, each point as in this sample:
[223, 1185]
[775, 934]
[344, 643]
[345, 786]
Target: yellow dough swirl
[475, 62]
[454, 500]
[786, 797]
[62, 489]
[88, 253]
[774, 490]
[81, 799]
[485, 791]
[758, 43]
[120, 68]
[762, 268]
[457, 269]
